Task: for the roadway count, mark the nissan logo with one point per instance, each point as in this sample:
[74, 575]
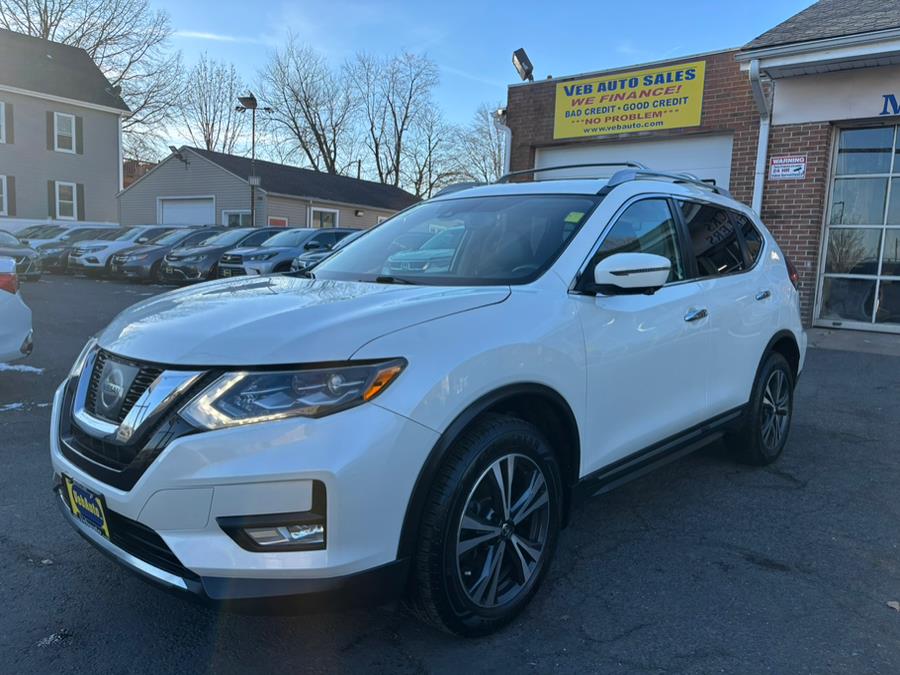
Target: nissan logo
[112, 389]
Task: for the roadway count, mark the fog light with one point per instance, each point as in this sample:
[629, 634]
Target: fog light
[287, 534]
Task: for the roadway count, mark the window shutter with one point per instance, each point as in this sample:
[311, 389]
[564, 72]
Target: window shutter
[51, 198]
[8, 123]
[10, 195]
[79, 190]
[79, 135]
[50, 130]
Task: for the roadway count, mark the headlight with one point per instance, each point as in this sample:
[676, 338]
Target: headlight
[248, 397]
[135, 258]
[50, 251]
[261, 256]
[93, 249]
[193, 258]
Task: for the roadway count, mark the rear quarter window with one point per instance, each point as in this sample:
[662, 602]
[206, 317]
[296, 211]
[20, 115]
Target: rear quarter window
[752, 237]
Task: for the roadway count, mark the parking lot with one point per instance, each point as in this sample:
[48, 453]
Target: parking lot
[703, 566]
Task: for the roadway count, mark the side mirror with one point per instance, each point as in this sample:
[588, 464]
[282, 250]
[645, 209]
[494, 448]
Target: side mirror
[631, 273]
[313, 246]
[142, 240]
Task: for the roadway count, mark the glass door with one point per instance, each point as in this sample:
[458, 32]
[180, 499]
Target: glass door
[859, 286]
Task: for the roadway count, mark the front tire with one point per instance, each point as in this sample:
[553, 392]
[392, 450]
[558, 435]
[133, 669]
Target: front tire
[767, 421]
[489, 529]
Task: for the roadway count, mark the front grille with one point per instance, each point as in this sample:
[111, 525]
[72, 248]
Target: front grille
[142, 542]
[142, 380]
[231, 259]
[111, 455]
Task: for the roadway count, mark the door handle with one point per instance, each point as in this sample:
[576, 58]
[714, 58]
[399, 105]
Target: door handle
[696, 314]
[762, 295]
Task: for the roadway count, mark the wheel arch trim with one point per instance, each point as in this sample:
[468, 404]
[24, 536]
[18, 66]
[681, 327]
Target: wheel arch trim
[427, 474]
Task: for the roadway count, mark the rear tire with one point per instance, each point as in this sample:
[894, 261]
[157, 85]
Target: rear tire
[489, 529]
[767, 421]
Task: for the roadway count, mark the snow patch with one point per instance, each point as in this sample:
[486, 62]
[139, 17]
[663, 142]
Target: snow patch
[8, 368]
[11, 406]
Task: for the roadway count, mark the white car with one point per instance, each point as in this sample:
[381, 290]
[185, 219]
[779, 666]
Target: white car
[428, 435]
[95, 255]
[15, 318]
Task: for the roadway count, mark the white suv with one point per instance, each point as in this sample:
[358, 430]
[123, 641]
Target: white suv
[427, 435]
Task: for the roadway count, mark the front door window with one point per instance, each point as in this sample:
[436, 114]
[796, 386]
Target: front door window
[860, 281]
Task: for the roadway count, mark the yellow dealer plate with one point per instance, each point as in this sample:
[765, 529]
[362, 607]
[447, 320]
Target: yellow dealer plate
[87, 506]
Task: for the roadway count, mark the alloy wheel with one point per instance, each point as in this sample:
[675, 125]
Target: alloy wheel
[776, 410]
[503, 532]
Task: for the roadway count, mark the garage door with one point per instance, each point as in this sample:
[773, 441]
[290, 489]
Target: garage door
[708, 157]
[193, 211]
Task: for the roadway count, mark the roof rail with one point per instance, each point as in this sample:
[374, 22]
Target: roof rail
[525, 172]
[456, 187]
[627, 175]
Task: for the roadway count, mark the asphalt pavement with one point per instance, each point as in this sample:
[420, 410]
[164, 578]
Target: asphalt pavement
[704, 566]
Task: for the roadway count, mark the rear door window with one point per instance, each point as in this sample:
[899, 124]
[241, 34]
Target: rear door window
[713, 239]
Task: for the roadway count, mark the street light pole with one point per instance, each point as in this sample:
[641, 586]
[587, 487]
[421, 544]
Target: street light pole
[249, 102]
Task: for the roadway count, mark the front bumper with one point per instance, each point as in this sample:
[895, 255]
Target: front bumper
[371, 587]
[181, 272]
[127, 270]
[368, 459]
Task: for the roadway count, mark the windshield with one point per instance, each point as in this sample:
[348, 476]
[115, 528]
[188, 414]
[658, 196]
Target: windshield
[79, 235]
[288, 238]
[127, 235]
[6, 239]
[172, 237]
[228, 238]
[509, 239]
[48, 232]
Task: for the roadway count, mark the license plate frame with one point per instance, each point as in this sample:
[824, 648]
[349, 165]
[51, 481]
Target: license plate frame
[86, 506]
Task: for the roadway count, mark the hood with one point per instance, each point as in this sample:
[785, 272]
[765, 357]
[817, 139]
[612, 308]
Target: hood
[279, 320]
[141, 249]
[9, 251]
[198, 250]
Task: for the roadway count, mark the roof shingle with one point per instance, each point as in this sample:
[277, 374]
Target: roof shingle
[832, 18]
[45, 67]
[292, 180]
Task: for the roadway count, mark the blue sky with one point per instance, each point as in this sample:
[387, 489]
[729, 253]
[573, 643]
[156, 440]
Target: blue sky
[473, 41]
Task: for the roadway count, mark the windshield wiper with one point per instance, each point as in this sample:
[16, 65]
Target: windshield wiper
[385, 279]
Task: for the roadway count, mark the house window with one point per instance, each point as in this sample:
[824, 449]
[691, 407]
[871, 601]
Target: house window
[66, 206]
[3, 209]
[236, 218]
[64, 132]
[277, 222]
[325, 217]
[2, 122]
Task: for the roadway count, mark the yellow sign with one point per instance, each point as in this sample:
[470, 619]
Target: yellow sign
[644, 100]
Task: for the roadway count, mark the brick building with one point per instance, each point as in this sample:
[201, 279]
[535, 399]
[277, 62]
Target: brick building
[801, 124]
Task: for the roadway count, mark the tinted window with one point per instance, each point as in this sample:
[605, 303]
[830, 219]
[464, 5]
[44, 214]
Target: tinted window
[713, 239]
[752, 238]
[197, 237]
[646, 226]
[326, 239]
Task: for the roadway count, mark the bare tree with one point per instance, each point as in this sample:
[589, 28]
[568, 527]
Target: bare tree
[395, 93]
[208, 112]
[312, 106]
[128, 41]
[431, 161]
[480, 151]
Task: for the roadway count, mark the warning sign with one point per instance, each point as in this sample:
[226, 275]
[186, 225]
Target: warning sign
[787, 167]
